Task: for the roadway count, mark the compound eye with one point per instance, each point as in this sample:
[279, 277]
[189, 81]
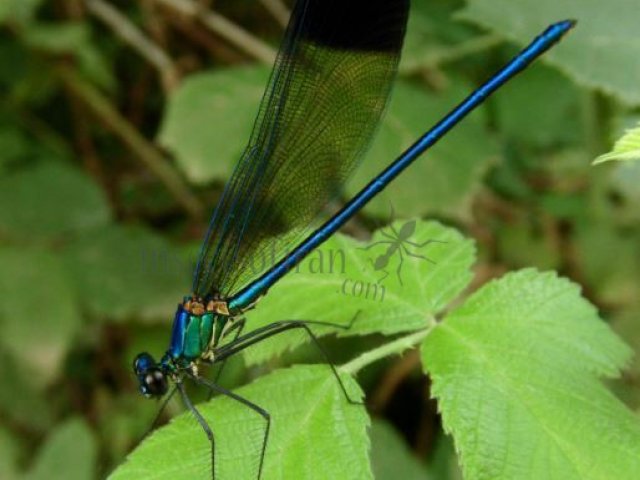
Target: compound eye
[154, 383]
[143, 363]
[151, 377]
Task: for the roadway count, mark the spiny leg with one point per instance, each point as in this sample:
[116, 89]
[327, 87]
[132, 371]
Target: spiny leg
[203, 423]
[238, 327]
[261, 411]
[275, 328]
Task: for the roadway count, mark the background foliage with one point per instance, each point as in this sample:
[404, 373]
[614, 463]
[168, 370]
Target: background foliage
[119, 122]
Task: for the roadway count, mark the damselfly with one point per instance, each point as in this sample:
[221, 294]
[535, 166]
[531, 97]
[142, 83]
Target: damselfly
[323, 102]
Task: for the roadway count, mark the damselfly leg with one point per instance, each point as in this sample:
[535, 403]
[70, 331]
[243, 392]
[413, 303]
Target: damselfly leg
[239, 344]
[237, 328]
[263, 333]
[213, 388]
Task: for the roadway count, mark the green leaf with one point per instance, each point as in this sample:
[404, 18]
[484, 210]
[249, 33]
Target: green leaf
[18, 11]
[541, 123]
[71, 38]
[9, 451]
[443, 461]
[431, 34]
[338, 281]
[516, 373]
[56, 37]
[443, 180]
[390, 457]
[603, 52]
[23, 404]
[625, 149]
[48, 201]
[69, 453]
[209, 119]
[38, 311]
[127, 271]
[315, 434]
[14, 146]
[34, 87]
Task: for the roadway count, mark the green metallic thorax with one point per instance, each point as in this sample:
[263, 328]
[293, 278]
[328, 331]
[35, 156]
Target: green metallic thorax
[200, 334]
[194, 335]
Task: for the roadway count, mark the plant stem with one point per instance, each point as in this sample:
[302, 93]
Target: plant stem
[224, 28]
[392, 348]
[278, 10]
[131, 35]
[144, 151]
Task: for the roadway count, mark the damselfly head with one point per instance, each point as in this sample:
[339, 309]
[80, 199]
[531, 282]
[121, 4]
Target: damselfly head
[151, 376]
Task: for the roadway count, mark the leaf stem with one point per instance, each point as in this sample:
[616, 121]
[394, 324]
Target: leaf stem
[224, 28]
[392, 348]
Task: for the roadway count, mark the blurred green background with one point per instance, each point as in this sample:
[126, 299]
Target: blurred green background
[120, 121]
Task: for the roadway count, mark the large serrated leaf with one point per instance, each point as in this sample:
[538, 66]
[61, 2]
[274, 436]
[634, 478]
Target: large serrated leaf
[339, 282]
[315, 434]
[516, 373]
[603, 52]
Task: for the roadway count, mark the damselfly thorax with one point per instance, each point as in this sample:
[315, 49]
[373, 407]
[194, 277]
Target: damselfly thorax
[198, 327]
